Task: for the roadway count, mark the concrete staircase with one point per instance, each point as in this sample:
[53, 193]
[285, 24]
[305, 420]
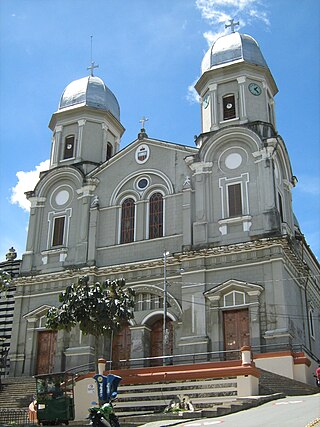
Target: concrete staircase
[17, 392]
[138, 404]
[155, 397]
[270, 383]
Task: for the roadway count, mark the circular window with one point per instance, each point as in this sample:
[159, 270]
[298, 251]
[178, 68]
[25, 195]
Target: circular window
[233, 161]
[142, 183]
[62, 197]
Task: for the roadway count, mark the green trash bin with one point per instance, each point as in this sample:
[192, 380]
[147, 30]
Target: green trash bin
[55, 398]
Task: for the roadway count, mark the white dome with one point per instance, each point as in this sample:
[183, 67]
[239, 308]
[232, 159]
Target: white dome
[233, 47]
[90, 91]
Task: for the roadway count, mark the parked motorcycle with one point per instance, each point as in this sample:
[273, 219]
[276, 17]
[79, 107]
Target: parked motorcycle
[104, 416]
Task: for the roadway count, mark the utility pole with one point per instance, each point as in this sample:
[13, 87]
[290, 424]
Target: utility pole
[165, 332]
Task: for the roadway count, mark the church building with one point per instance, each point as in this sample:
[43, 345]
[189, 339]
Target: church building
[205, 235]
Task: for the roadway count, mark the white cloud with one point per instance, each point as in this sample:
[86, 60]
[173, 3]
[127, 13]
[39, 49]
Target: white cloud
[219, 12]
[26, 182]
[192, 94]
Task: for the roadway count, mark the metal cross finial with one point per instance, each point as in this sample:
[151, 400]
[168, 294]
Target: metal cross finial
[232, 25]
[142, 121]
[92, 67]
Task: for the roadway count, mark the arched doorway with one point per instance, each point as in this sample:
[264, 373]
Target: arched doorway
[121, 348]
[156, 342]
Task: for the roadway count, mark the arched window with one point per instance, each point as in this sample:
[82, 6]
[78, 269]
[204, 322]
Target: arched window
[156, 216]
[69, 147]
[127, 221]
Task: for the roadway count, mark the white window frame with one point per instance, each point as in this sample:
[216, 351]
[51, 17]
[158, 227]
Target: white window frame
[234, 292]
[243, 180]
[148, 213]
[51, 219]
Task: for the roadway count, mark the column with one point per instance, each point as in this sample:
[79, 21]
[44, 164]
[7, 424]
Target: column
[201, 171]
[242, 99]
[56, 143]
[81, 124]
[140, 344]
[104, 141]
[193, 335]
[92, 237]
[214, 106]
[187, 212]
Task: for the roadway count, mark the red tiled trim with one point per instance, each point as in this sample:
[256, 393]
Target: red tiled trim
[183, 372]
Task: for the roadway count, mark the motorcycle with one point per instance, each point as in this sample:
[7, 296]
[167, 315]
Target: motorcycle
[317, 380]
[103, 416]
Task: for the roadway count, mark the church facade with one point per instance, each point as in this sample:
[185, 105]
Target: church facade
[205, 235]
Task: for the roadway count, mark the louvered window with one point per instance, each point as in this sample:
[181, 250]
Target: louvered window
[156, 216]
[69, 147]
[235, 200]
[229, 107]
[127, 221]
[109, 151]
[58, 231]
[280, 207]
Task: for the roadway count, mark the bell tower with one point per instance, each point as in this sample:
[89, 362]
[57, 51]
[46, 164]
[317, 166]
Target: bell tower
[86, 127]
[236, 85]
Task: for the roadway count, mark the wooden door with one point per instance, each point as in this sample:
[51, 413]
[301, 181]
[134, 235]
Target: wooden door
[121, 348]
[157, 340]
[236, 331]
[47, 342]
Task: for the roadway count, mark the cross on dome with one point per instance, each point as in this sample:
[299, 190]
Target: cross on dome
[92, 67]
[232, 25]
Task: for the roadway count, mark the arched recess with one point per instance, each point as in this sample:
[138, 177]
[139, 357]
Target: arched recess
[145, 310]
[54, 176]
[156, 348]
[120, 188]
[226, 138]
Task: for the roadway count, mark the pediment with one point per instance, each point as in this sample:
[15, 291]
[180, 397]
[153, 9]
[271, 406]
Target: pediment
[233, 285]
[37, 313]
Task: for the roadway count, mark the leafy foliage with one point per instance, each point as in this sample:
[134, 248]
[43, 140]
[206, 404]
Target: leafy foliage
[97, 308]
[5, 280]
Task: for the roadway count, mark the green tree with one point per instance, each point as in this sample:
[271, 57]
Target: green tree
[98, 308]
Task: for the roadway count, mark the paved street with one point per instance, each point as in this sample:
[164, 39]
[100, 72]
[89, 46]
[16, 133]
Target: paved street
[295, 411]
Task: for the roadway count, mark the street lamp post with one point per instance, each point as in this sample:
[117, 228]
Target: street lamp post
[165, 332]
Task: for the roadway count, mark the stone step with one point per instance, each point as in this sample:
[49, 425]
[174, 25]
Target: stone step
[17, 392]
[273, 383]
[134, 399]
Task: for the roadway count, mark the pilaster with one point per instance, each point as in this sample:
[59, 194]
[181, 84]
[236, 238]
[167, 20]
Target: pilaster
[81, 124]
[242, 99]
[56, 143]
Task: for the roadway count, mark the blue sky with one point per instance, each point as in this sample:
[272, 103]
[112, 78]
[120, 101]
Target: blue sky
[149, 54]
